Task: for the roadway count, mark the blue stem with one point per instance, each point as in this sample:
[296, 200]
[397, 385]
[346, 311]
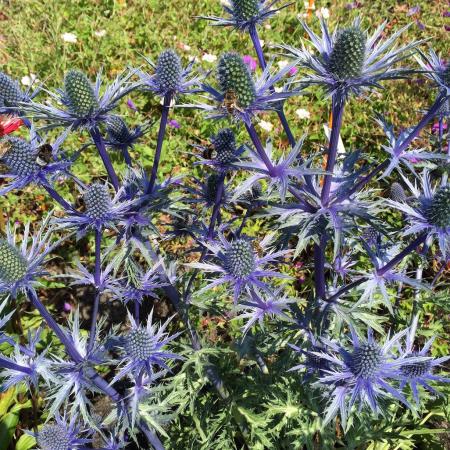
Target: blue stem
[262, 62]
[405, 252]
[217, 204]
[338, 112]
[126, 156]
[159, 144]
[66, 205]
[100, 144]
[6, 364]
[97, 277]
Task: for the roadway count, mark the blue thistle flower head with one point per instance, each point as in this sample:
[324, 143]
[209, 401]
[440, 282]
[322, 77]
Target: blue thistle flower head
[245, 14]
[240, 96]
[349, 61]
[235, 80]
[144, 349]
[420, 373]
[347, 56]
[169, 77]
[84, 104]
[60, 435]
[21, 266]
[430, 213]
[26, 165]
[100, 211]
[120, 135]
[435, 68]
[224, 143]
[362, 373]
[80, 95]
[239, 265]
[10, 93]
[168, 71]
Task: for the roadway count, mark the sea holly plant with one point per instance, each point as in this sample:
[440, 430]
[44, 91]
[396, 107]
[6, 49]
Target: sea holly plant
[256, 266]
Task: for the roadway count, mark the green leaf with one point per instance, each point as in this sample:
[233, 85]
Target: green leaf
[25, 442]
[7, 428]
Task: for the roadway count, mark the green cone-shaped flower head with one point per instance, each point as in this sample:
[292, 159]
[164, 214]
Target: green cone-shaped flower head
[438, 212]
[347, 57]
[224, 143]
[366, 360]
[97, 201]
[240, 258]
[168, 70]
[20, 156]
[10, 93]
[80, 93]
[13, 265]
[244, 10]
[235, 80]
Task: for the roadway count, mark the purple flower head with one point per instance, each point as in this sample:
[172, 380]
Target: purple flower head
[239, 265]
[169, 77]
[32, 162]
[238, 95]
[83, 105]
[245, 14]
[420, 373]
[350, 61]
[143, 349]
[174, 124]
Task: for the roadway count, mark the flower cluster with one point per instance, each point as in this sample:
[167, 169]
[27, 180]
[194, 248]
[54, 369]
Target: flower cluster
[277, 244]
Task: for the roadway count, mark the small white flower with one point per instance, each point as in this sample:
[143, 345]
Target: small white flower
[100, 33]
[267, 26]
[172, 101]
[282, 64]
[262, 42]
[29, 80]
[306, 4]
[279, 89]
[226, 3]
[69, 37]
[186, 47]
[208, 57]
[303, 113]
[267, 126]
[323, 12]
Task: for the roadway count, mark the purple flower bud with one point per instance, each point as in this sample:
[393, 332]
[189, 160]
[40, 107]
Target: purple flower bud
[131, 105]
[174, 124]
[413, 10]
[250, 61]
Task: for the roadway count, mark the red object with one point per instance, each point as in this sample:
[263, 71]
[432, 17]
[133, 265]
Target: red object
[9, 124]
